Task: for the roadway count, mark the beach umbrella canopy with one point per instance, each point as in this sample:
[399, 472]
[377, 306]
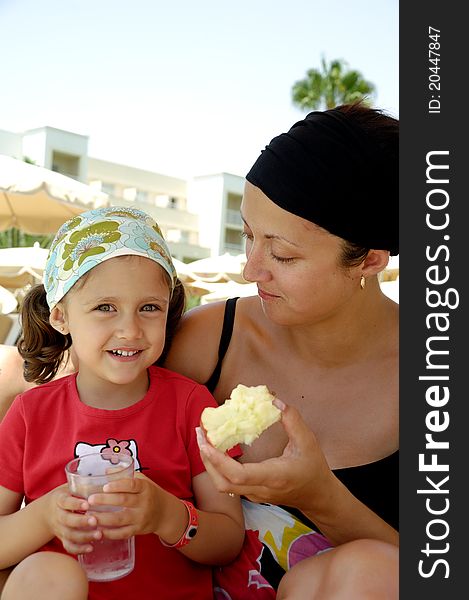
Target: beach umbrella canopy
[391, 289]
[19, 266]
[183, 271]
[200, 288]
[38, 201]
[229, 290]
[8, 302]
[225, 267]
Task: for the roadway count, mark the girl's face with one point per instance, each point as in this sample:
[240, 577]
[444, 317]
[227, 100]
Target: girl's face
[117, 319]
[294, 262]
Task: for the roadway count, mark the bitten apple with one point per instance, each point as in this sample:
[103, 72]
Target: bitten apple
[242, 418]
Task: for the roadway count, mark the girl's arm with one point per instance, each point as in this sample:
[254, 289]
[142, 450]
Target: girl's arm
[23, 531]
[302, 479]
[148, 508]
[221, 529]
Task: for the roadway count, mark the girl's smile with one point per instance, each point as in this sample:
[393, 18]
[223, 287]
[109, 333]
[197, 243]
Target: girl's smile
[116, 316]
[125, 354]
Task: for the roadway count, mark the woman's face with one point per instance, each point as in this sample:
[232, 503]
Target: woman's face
[294, 262]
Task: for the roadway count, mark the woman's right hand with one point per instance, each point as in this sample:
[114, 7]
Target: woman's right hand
[67, 521]
[300, 477]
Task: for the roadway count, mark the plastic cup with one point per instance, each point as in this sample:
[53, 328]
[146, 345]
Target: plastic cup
[86, 475]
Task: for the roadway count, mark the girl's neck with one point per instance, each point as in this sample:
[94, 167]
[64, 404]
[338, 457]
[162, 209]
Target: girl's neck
[99, 393]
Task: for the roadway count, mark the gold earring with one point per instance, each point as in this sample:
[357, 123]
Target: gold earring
[362, 282]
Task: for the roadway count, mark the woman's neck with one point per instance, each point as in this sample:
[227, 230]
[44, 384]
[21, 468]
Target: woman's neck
[360, 330]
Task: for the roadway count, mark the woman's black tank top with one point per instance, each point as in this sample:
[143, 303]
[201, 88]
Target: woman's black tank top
[375, 484]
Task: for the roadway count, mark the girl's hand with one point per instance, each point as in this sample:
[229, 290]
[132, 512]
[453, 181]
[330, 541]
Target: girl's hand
[297, 478]
[67, 521]
[141, 500]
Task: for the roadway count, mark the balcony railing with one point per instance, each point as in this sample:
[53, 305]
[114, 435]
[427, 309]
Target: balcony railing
[234, 248]
[233, 217]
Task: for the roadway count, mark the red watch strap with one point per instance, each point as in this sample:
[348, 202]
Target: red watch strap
[190, 530]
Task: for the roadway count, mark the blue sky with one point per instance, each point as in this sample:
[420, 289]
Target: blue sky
[186, 87]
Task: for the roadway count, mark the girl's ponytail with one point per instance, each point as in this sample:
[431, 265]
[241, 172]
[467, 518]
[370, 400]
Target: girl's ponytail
[40, 345]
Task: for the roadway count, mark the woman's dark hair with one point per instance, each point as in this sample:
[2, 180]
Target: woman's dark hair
[43, 348]
[352, 255]
[40, 345]
[380, 127]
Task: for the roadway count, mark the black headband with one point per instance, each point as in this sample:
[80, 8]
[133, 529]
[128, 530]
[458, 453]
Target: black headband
[328, 170]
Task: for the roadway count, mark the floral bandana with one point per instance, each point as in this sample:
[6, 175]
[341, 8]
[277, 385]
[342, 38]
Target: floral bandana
[87, 240]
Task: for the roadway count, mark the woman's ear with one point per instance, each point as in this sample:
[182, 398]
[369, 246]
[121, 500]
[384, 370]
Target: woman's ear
[58, 320]
[375, 262]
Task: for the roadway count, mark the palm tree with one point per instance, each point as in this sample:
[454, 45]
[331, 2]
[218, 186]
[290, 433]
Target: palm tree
[334, 85]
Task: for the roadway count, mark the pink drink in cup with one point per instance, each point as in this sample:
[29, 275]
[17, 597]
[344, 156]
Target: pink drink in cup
[86, 475]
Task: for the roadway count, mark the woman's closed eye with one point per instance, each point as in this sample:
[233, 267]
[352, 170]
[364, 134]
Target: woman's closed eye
[248, 236]
[282, 259]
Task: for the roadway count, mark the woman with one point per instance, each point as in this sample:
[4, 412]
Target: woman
[320, 213]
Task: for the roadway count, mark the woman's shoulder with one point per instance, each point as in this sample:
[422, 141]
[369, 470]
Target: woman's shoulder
[194, 349]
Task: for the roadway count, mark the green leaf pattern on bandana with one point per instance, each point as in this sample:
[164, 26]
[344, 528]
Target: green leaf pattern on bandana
[97, 235]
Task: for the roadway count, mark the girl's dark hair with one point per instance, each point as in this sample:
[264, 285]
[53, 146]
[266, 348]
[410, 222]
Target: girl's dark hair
[43, 348]
[177, 304]
[40, 345]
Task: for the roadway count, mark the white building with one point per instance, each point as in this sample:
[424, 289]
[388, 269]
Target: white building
[199, 217]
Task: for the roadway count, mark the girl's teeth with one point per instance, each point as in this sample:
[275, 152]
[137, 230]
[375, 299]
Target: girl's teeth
[124, 352]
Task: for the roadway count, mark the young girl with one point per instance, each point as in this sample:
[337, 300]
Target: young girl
[110, 286]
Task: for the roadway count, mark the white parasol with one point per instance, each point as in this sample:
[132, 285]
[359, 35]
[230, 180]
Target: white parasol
[20, 266]
[37, 200]
[225, 267]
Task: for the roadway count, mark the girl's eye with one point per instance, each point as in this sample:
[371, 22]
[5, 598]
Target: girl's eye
[149, 308]
[246, 235]
[104, 308]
